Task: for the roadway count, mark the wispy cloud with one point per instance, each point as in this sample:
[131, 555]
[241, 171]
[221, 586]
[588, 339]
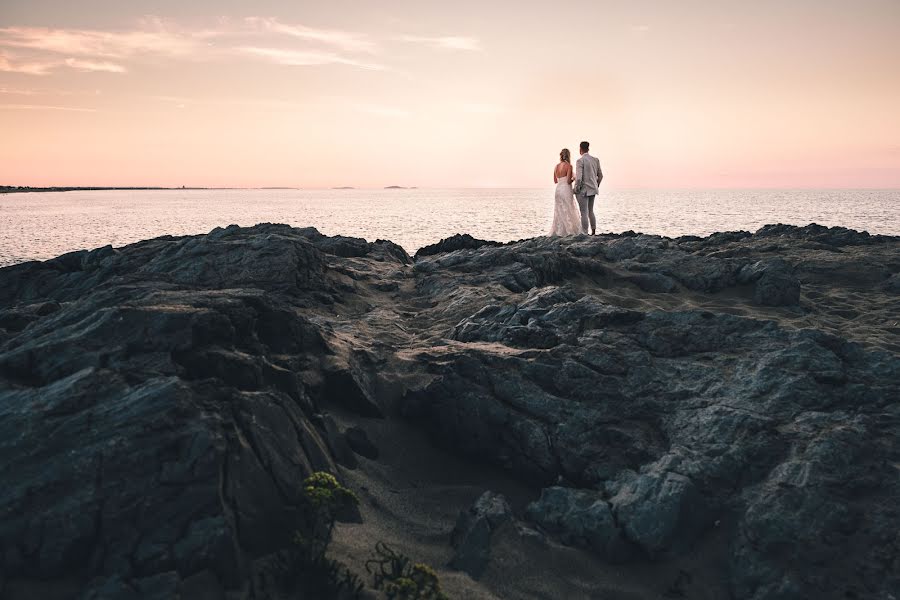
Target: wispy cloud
[10, 64]
[158, 40]
[306, 58]
[344, 40]
[43, 50]
[46, 92]
[444, 42]
[17, 92]
[48, 66]
[92, 65]
[45, 107]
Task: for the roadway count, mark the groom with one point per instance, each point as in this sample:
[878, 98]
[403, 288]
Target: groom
[587, 183]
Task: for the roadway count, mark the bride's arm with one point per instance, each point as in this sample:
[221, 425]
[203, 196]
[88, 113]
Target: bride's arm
[555, 180]
[571, 177]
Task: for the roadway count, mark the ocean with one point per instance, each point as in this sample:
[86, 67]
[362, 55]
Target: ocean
[38, 226]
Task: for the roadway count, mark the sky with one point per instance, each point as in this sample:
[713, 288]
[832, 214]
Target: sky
[229, 93]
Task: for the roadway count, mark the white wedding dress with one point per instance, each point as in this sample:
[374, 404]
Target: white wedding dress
[566, 217]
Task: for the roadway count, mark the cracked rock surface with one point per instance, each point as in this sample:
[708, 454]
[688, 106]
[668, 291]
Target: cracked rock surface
[161, 403]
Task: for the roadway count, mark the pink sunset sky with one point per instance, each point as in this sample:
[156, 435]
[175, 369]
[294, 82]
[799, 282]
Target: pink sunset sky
[689, 94]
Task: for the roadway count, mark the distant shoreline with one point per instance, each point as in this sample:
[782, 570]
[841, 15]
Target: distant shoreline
[10, 189]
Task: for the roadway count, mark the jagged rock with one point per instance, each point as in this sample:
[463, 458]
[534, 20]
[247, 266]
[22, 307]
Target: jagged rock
[774, 284]
[453, 243]
[684, 417]
[831, 236]
[156, 412]
[337, 443]
[655, 283]
[660, 511]
[471, 537]
[581, 518]
[892, 284]
[348, 383]
[547, 317]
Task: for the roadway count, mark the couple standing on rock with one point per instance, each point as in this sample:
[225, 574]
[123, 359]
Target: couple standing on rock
[587, 178]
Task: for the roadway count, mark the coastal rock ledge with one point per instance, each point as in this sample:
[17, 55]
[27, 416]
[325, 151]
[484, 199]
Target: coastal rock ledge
[718, 417]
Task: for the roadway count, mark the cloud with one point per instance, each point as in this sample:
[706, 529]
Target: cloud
[98, 43]
[44, 50]
[10, 64]
[46, 92]
[45, 107]
[19, 92]
[640, 28]
[444, 43]
[90, 65]
[45, 67]
[344, 40]
[306, 58]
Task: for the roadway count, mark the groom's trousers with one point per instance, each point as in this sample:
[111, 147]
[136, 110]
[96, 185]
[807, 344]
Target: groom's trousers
[586, 206]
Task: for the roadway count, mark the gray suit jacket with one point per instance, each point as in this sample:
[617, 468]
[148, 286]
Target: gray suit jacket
[592, 174]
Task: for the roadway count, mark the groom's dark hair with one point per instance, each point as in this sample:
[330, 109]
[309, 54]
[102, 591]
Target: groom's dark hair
[584, 146]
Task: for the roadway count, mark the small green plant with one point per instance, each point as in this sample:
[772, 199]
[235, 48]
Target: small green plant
[326, 498]
[393, 572]
[325, 492]
[304, 567]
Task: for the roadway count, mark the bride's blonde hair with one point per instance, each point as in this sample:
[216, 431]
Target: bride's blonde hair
[565, 155]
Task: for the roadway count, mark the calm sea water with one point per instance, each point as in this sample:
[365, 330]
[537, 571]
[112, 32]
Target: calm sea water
[44, 225]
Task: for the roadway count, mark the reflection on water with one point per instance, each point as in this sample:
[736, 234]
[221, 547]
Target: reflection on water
[44, 225]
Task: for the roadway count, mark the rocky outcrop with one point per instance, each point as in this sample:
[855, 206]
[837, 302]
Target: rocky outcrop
[162, 402]
[456, 242]
[666, 417]
[160, 407]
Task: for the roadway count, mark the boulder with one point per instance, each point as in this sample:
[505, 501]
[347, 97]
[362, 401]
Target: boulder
[773, 283]
[581, 518]
[471, 537]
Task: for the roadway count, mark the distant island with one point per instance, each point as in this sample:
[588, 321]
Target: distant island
[399, 187]
[344, 187]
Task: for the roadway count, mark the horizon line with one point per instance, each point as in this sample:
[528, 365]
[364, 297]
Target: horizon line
[62, 188]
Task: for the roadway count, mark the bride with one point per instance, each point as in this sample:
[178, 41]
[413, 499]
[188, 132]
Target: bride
[566, 218]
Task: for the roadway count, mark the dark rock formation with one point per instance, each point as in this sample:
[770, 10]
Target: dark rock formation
[161, 403]
[471, 537]
[360, 443]
[582, 518]
[456, 242]
[673, 421]
[158, 406]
